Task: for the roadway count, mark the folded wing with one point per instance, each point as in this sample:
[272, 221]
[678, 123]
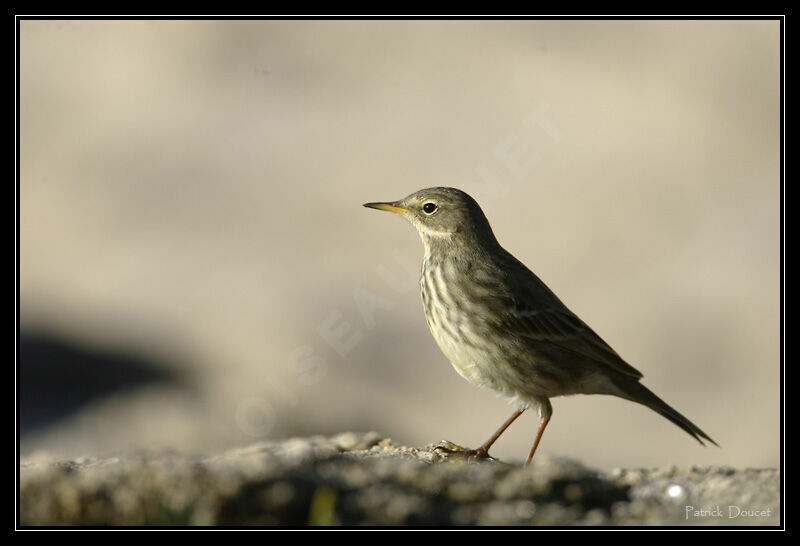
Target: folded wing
[537, 315]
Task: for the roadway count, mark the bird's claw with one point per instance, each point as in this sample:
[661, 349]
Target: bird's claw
[454, 449]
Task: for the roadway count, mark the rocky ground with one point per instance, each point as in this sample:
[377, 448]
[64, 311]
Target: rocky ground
[366, 479]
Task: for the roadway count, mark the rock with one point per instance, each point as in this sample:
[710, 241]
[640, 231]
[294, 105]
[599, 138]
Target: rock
[365, 479]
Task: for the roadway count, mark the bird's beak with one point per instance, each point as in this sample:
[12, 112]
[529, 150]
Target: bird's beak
[391, 207]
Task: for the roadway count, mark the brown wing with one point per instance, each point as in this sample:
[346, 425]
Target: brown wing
[538, 315]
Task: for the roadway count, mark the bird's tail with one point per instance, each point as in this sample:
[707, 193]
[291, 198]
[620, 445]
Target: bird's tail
[636, 392]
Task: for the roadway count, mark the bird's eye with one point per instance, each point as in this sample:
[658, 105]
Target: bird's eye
[429, 208]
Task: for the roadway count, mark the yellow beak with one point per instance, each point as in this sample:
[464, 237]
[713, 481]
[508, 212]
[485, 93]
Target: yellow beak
[391, 207]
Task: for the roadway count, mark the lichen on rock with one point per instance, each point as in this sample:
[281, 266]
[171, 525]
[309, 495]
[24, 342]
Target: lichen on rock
[366, 479]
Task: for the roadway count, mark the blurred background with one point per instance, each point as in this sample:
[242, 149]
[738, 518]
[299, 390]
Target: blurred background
[197, 272]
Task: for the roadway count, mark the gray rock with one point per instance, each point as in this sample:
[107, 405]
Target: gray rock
[365, 479]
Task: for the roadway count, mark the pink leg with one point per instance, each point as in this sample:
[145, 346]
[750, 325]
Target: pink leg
[488, 443]
[542, 425]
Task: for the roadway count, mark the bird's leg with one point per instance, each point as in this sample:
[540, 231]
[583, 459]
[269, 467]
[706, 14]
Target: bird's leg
[488, 443]
[483, 451]
[542, 424]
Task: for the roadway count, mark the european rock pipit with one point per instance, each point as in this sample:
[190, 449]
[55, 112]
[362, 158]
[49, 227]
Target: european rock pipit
[499, 324]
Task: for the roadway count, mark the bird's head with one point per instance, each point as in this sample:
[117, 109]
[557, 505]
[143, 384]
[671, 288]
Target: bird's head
[446, 215]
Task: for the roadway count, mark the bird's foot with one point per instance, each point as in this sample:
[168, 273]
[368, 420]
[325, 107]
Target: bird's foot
[453, 449]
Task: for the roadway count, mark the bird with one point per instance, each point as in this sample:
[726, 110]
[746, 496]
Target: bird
[501, 327]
